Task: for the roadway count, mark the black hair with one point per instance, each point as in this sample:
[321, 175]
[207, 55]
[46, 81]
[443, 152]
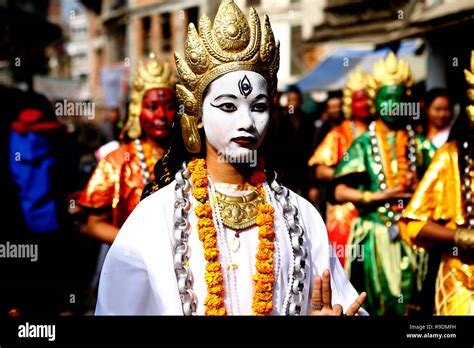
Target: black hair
[334, 94]
[434, 93]
[294, 89]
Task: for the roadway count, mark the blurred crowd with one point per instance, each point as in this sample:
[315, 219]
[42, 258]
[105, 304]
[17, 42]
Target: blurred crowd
[58, 158]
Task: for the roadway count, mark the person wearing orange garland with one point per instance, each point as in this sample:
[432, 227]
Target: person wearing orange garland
[357, 107]
[378, 174]
[225, 238]
[116, 185]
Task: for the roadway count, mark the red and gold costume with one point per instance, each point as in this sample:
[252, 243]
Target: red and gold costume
[339, 217]
[117, 181]
[119, 178]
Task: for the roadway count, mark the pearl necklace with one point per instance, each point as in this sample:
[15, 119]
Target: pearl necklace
[467, 186]
[393, 217]
[142, 161]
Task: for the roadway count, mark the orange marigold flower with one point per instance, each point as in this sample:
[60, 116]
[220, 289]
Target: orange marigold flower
[266, 245]
[205, 222]
[210, 243]
[265, 208]
[264, 219]
[262, 307]
[201, 194]
[216, 312]
[211, 254]
[199, 179]
[266, 231]
[214, 301]
[264, 278]
[213, 266]
[264, 254]
[207, 232]
[264, 266]
[213, 278]
[263, 287]
[195, 163]
[203, 211]
[263, 296]
[217, 290]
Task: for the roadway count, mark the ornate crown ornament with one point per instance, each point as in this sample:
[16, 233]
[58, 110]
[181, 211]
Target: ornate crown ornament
[357, 80]
[470, 90]
[230, 44]
[150, 74]
[392, 71]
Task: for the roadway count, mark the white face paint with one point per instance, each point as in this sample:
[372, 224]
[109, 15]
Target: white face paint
[236, 114]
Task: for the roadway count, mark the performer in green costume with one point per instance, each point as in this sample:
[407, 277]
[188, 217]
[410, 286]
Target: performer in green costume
[378, 173]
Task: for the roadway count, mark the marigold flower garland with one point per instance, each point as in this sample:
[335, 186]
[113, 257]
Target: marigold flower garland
[263, 278]
[401, 142]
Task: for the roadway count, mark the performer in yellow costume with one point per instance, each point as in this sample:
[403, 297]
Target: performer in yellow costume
[441, 213]
[358, 106]
[116, 185]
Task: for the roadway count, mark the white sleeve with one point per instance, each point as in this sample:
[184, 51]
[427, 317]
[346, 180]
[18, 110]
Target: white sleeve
[124, 287]
[322, 256]
[138, 276]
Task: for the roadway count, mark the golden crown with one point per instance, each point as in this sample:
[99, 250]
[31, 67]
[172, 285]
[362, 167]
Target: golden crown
[230, 44]
[392, 71]
[470, 90]
[150, 74]
[357, 80]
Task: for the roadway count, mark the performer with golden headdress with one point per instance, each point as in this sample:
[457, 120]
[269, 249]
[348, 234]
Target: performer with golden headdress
[440, 214]
[357, 107]
[378, 172]
[118, 180]
[222, 238]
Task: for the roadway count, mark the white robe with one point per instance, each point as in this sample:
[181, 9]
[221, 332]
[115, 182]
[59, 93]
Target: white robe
[138, 276]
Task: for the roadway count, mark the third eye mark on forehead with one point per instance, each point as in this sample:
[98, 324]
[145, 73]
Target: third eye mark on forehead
[245, 87]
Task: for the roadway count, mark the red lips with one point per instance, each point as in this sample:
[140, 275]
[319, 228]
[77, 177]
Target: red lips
[244, 141]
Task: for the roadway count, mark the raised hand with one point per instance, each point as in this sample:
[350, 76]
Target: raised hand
[321, 303]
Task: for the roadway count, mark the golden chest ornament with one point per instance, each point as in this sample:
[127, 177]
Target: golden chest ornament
[239, 212]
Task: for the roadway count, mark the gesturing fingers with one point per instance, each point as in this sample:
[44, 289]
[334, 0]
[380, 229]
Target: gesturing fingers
[337, 309]
[327, 290]
[316, 300]
[354, 308]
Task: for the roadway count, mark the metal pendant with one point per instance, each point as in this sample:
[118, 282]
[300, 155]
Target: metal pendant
[235, 244]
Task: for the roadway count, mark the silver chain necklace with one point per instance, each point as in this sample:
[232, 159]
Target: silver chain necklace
[467, 186]
[142, 161]
[393, 217]
[182, 252]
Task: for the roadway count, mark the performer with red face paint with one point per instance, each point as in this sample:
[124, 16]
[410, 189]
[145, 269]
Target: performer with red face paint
[116, 185]
[358, 108]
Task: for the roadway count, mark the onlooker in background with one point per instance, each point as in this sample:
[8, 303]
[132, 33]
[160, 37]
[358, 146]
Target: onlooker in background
[297, 129]
[44, 170]
[331, 116]
[438, 108]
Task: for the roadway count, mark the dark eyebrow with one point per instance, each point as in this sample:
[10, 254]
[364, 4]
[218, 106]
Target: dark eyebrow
[226, 96]
[261, 96]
